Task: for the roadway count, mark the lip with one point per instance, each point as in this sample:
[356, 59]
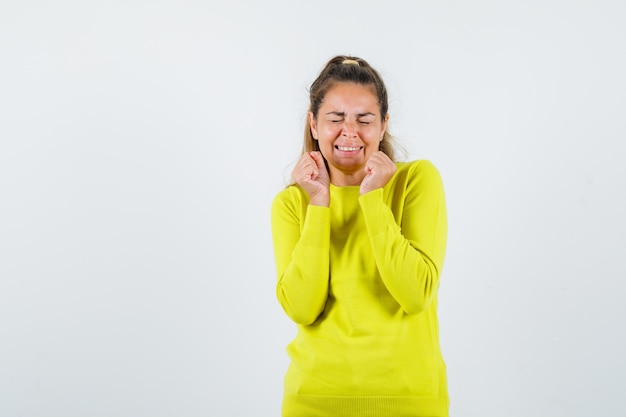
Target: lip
[348, 149]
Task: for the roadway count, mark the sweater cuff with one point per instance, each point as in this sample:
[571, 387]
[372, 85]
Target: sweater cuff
[373, 208]
[316, 228]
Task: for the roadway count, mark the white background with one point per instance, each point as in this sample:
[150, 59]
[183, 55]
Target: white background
[141, 144]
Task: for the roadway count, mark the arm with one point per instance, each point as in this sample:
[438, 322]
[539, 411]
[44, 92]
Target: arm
[301, 241]
[410, 258]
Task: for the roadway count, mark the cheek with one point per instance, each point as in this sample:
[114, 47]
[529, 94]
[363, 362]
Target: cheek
[373, 135]
[330, 130]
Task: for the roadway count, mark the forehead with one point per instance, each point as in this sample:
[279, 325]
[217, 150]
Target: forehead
[351, 95]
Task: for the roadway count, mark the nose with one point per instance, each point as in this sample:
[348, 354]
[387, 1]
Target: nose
[349, 129]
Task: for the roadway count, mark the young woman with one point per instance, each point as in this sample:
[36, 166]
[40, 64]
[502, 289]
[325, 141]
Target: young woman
[359, 243]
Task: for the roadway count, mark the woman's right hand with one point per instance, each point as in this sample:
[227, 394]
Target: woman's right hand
[310, 173]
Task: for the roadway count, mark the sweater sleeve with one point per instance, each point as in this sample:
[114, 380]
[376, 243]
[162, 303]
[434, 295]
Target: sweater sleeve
[410, 256]
[301, 240]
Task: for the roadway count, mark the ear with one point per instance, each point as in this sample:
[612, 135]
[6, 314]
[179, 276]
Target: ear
[384, 127]
[313, 125]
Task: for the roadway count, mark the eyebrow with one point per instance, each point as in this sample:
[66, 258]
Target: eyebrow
[342, 114]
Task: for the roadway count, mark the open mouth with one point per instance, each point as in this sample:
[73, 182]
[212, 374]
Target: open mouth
[348, 148]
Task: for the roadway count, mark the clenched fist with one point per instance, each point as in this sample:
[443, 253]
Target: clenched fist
[310, 173]
[379, 169]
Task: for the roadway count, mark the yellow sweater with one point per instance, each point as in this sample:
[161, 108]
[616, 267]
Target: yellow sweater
[360, 279]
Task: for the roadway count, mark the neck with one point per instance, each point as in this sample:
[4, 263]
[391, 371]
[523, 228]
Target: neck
[345, 179]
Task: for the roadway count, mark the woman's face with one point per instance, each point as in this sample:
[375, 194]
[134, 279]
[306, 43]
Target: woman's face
[348, 128]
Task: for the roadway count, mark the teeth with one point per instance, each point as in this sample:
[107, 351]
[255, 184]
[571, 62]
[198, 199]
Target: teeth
[348, 148]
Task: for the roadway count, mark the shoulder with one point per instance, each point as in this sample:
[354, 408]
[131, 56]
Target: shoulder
[419, 169]
[290, 196]
[418, 177]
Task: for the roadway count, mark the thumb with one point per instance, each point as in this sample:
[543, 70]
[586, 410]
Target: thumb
[319, 161]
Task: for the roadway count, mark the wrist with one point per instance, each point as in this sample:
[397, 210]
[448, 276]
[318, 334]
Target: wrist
[320, 200]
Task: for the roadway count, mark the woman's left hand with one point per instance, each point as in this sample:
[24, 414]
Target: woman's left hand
[379, 169]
